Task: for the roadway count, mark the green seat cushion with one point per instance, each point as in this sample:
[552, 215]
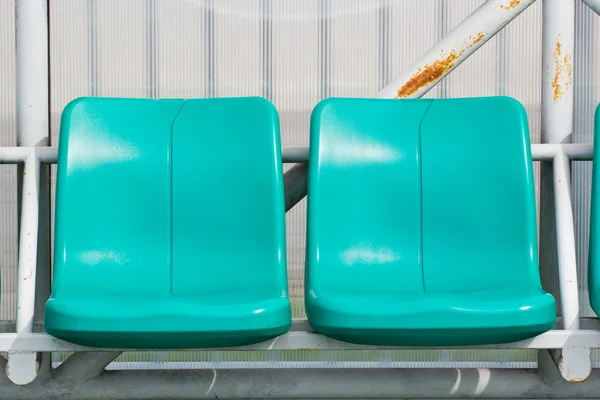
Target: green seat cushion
[170, 224]
[421, 223]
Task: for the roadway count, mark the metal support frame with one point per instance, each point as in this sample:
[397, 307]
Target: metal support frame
[296, 184]
[557, 257]
[454, 48]
[33, 110]
[300, 337]
[563, 352]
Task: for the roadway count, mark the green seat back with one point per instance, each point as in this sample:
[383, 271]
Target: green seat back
[421, 223]
[479, 219]
[170, 224]
[364, 230]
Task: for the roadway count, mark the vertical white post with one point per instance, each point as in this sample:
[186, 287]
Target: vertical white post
[556, 219]
[32, 130]
[565, 232]
[557, 127]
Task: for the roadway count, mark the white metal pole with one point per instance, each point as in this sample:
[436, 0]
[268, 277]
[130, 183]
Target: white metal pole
[565, 232]
[557, 128]
[456, 47]
[23, 366]
[32, 130]
[28, 245]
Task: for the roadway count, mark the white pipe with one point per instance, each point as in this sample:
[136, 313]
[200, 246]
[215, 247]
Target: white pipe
[298, 340]
[456, 47]
[557, 59]
[539, 152]
[565, 236]
[23, 366]
[546, 152]
[32, 72]
[28, 245]
[33, 108]
[15, 155]
[557, 128]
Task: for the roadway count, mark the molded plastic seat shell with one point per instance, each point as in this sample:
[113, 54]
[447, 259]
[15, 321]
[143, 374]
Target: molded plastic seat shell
[421, 223]
[170, 224]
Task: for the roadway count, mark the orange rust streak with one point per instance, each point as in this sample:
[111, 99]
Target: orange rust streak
[427, 75]
[433, 71]
[479, 37]
[558, 65]
[569, 69]
[511, 5]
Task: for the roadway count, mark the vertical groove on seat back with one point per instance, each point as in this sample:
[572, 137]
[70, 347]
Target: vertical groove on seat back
[479, 230]
[363, 207]
[228, 207]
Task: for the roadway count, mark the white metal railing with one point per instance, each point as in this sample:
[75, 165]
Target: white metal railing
[24, 340]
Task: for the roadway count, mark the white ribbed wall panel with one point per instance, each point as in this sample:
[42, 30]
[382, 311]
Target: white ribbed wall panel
[8, 173]
[297, 66]
[294, 52]
[411, 28]
[180, 48]
[124, 64]
[353, 48]
[237, 48]
[477, 76]
[520, 65]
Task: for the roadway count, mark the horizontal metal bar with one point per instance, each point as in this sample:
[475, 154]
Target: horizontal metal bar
[294, 154]
[13, 155]
[546, 152]
[18, 154]
[298, 325]
[540, 152]
[299, 340]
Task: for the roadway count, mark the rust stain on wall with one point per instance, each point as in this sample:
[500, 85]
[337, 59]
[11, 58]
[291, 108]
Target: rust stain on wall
[511, 5]
[563, 71]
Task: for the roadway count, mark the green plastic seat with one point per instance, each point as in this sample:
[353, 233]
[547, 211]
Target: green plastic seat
[422, 223]
[594, 250]
[170, 224]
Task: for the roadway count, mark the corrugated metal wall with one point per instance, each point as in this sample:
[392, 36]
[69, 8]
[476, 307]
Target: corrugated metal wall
[294, 52]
